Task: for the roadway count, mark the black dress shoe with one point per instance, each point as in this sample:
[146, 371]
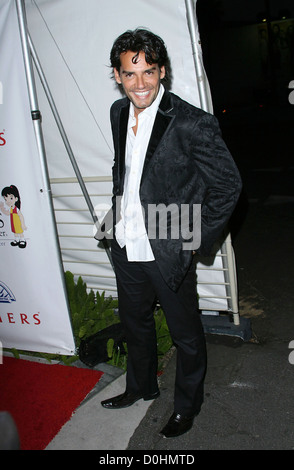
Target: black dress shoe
[126, 399]
[177, 425]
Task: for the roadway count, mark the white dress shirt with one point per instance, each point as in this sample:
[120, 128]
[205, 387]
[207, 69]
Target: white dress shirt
[131, 230]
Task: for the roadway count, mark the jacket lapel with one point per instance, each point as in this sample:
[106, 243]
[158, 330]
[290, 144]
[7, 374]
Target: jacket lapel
[123, 127]
[162, 121]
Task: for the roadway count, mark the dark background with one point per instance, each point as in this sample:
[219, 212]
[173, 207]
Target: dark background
[249, 63]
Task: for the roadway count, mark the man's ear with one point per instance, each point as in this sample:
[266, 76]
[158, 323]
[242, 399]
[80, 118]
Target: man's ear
[162, 72]
[117, 76]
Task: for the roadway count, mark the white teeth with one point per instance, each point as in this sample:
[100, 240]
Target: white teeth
[141, 93]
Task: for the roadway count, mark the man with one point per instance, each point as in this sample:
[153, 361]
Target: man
[169, 154]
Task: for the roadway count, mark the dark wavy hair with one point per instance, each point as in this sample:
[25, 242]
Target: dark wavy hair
[14, 191]
[140, 40]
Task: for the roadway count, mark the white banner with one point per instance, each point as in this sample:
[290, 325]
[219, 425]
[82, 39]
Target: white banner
[34, 313]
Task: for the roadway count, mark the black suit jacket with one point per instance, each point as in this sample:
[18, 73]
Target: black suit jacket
[186, 162]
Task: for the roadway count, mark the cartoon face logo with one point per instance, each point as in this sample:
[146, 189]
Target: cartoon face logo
[13, 203]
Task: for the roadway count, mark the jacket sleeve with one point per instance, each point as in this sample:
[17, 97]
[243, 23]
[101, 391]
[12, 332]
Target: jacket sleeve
[221, 178]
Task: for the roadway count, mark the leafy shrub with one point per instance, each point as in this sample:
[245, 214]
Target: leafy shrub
[90, 312]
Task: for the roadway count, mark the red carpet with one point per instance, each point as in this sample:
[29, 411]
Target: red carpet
[42, 397]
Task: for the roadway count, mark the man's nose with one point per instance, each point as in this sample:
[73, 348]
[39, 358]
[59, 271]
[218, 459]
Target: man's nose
[140, 82]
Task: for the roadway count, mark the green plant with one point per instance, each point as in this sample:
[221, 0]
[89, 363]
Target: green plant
[117, 357]
[90, 312]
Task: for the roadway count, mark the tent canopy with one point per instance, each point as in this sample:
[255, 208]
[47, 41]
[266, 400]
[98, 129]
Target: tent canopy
[73, 39]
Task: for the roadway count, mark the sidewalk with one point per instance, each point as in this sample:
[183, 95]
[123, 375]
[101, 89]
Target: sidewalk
[248, 405]
[92, 427]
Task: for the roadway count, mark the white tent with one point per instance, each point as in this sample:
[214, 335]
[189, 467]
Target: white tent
[70, 41]
[73, 39]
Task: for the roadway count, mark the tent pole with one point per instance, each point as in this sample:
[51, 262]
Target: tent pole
[226, 248]
[200, 75]
[36, 117]
[66, 143]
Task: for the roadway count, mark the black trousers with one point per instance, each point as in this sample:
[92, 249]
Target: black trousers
[139, 284]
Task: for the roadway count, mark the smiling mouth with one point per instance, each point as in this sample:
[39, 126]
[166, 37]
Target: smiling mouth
[142, 93]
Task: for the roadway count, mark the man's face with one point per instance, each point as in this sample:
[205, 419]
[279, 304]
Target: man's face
[140, 81]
